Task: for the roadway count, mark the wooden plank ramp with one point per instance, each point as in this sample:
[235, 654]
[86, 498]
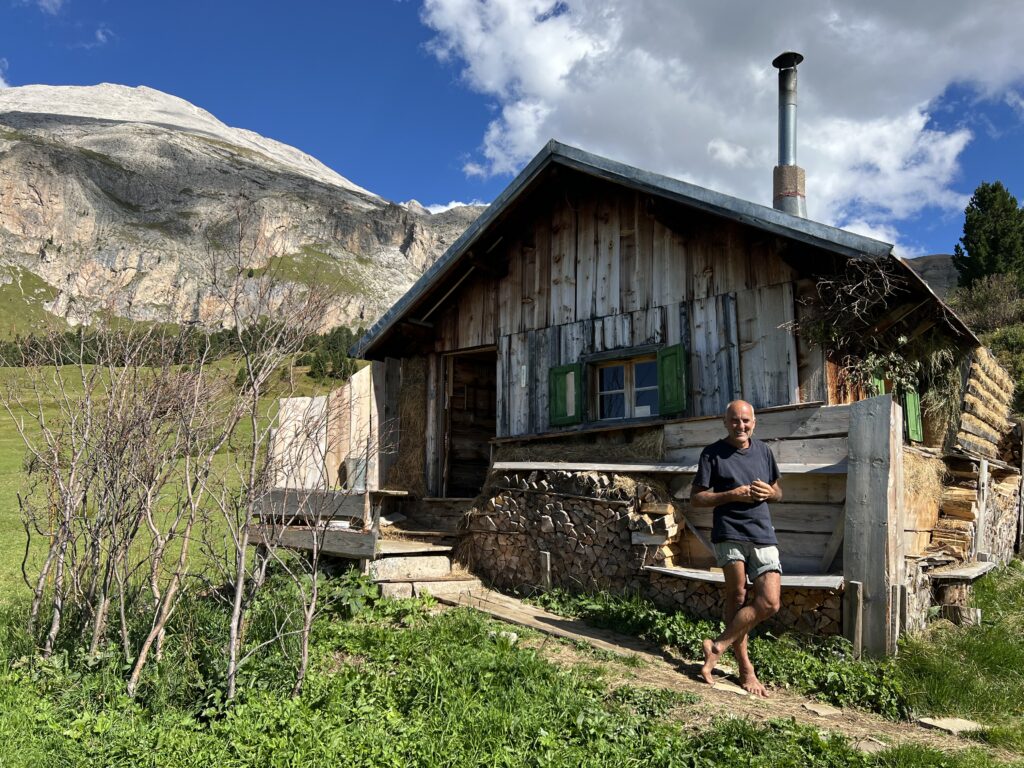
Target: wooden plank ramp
[514, 611]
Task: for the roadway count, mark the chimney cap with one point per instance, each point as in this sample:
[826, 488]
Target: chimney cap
[787, 60]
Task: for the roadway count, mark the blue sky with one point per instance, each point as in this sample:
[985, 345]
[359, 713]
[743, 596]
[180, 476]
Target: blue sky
[903, 110]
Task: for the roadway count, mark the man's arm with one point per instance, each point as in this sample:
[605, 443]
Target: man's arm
[756, 491]
[705, 497]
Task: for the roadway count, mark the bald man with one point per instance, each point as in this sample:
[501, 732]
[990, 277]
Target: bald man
[738, 476]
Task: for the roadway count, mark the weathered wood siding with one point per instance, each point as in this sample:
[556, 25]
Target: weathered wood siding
[601, 268]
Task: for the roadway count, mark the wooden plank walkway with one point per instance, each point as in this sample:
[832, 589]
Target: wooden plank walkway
[516, 612]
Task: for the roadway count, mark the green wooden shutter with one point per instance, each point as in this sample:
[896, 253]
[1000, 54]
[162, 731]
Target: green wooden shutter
[565, 394]
[878, 384]
[912, 416]
[672, 384]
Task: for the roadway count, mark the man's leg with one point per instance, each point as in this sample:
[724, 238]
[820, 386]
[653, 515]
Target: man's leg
[735, 573]
[767, 594]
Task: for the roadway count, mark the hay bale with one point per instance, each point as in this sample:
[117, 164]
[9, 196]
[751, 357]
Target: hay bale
[923, 475]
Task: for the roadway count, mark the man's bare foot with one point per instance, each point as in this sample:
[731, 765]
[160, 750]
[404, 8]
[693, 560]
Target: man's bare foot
[753, 686]
[711, 657]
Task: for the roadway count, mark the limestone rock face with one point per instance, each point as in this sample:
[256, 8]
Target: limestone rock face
[125, 199]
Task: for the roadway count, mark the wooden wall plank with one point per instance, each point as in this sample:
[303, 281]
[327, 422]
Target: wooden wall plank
[822, 450]
[519, 379]
[541, 276]
[504, 367]
[562, 307]
[873, 543]
[607, 298]
[714, 354]
[772, 425]
[791, 517]
[807, 488]
[767, 353]
[810, 357]
[634, 273]
[434, 439]
[586, 260]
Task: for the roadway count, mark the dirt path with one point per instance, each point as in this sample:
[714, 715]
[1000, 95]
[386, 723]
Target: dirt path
[629, 661]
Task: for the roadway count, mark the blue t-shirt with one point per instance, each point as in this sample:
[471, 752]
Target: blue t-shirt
[723, 467]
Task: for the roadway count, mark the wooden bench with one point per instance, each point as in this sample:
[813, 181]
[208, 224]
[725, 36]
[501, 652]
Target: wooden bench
[339, 523]
[796, 580]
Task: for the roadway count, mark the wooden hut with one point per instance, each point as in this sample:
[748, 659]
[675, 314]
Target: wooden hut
[549, 383]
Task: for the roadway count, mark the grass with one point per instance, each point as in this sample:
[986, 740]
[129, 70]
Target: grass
[971, 672]
[315, 267]
[397, 684]
[21, 304]
[975, 672]
[819, 667]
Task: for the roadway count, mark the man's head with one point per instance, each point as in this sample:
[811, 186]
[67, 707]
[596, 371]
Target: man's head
[739, 423]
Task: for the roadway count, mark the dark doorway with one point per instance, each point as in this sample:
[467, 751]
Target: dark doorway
[471, 397]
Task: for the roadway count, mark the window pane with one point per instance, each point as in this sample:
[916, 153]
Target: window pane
[613, 406]
[647, 402]
[612, 378]
[646, 374]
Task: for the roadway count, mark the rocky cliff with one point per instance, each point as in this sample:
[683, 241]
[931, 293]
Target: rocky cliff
[124, 199]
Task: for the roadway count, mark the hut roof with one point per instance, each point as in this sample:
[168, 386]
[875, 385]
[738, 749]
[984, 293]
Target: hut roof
[812, 233]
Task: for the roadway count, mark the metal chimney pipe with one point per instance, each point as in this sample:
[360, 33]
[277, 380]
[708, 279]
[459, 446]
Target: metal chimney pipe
[788, 178]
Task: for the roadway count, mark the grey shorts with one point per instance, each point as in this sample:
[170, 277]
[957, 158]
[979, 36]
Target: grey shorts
[758, 558]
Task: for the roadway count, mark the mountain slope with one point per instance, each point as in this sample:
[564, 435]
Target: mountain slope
[123, 199]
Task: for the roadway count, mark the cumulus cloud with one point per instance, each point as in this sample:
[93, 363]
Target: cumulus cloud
[687, 89]
[3, 71]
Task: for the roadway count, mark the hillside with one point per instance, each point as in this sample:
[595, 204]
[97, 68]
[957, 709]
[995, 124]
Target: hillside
[125, 198]
[937, 270]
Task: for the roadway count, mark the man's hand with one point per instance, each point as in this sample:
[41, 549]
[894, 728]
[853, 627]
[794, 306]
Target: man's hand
[761, 491]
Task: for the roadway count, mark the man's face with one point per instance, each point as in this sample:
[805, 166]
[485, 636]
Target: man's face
[739, 422]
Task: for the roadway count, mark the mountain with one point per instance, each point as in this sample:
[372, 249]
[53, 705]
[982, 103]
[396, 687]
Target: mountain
[124, 198]
[937, 270]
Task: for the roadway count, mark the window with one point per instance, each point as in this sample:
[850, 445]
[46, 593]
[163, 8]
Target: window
[627, 389]
[650, 384]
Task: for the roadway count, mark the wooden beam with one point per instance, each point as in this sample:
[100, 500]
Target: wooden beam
[873, 539]
[834, 543]
[853, 616]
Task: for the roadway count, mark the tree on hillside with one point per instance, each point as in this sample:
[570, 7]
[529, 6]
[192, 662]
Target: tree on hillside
[993, 239]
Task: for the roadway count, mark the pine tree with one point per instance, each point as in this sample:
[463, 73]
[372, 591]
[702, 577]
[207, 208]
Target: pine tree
[993, 239]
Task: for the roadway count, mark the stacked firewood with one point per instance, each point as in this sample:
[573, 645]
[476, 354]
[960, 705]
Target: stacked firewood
[597, 531]
[958, 511]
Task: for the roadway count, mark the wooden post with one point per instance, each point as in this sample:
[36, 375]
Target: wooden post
[873, 541]
[545, 570]
[979, 523]
[853, 616]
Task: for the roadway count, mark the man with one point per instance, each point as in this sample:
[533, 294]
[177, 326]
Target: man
[738, 476]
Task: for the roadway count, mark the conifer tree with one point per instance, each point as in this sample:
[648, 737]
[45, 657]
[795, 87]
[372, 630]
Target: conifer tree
[993, 239]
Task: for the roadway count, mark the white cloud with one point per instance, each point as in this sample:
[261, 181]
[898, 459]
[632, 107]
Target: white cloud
[3, 71]
[687, 89]
[101, 37]
[51, 7]
[442, 207]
